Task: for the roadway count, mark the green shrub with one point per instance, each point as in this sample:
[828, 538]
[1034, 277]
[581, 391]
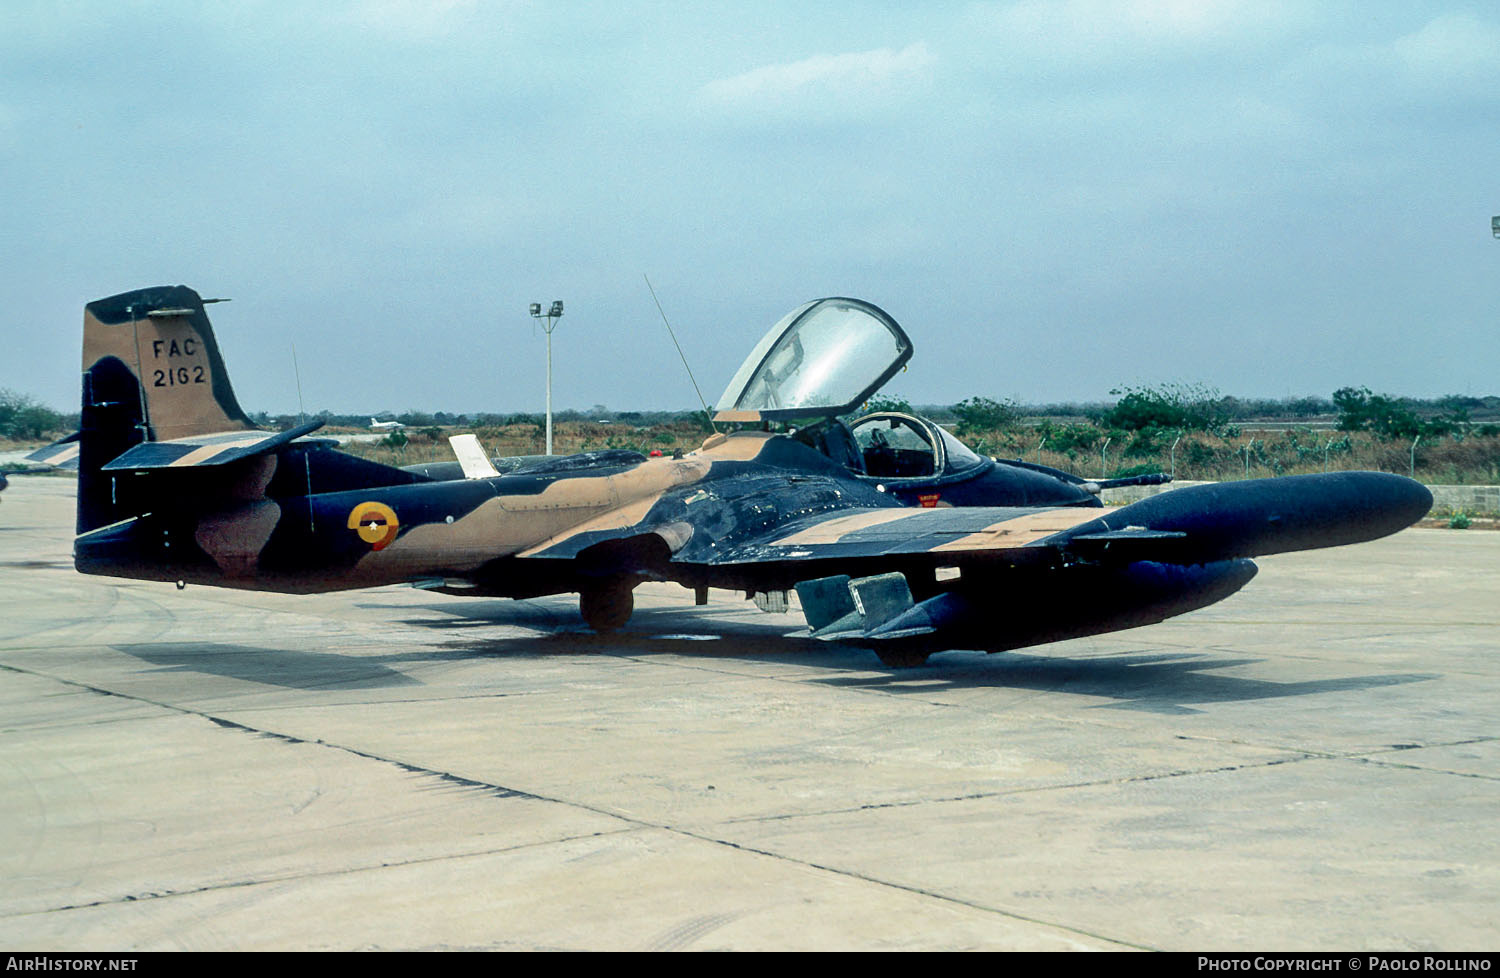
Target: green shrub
[1170, 406]
[23, 419]
[978, 414]
[881, 402]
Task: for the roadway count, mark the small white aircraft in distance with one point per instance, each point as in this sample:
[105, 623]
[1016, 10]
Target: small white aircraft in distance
[385, 425]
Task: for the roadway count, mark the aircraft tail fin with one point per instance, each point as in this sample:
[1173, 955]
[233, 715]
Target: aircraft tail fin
[152, 372]
[162, 337]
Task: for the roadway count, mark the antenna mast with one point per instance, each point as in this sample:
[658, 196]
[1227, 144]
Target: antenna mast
[685, 366]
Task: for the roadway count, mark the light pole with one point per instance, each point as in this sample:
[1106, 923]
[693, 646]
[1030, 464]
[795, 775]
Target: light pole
[552, 316]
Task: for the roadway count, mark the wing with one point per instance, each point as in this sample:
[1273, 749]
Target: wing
[984, 577]
[1191, 525]
[1195, 524]
[1024, 578]
[980, 532]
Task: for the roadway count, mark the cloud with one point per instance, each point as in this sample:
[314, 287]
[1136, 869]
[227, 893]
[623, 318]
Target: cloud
[1084, 35]
[1430, 75]
[1453, 48]
[834, 81]
[1159, 21]
[421, 19]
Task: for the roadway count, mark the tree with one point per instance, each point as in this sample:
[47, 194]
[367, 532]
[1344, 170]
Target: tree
[1186, 407]
[882, 402]
[22, 418]
[1388, 417]
[979, 414]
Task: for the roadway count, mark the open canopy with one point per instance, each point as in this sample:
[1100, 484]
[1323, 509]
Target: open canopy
[822, 359]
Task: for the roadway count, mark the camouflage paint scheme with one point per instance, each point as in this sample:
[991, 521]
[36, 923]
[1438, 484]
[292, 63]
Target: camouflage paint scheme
[176, 484]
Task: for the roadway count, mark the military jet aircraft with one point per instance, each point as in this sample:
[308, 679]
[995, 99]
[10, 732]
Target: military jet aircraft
[176, 484]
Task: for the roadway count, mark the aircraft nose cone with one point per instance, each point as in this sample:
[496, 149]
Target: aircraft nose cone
[1387, 502]
[1416, 498]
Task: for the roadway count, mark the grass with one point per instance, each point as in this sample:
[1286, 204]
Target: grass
[1205, 457]
[1074, 447]
[1197, 456]
[431, 444]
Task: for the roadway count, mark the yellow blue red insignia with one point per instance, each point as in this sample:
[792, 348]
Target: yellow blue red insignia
[375, 523]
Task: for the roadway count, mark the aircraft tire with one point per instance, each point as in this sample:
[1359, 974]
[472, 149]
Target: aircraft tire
[606, 608]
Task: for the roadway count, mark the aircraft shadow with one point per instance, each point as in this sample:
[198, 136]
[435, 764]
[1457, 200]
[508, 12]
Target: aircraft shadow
[1164, 683]
[268, 666]
[1152, 682]
[1171, 683]
[651, 631]
[1157, 682]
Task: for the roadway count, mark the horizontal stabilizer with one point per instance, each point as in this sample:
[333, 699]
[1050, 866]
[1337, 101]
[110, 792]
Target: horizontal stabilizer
[206, 450]
[61, 454]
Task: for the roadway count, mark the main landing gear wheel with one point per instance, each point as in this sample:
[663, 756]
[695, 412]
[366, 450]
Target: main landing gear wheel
[607, 607]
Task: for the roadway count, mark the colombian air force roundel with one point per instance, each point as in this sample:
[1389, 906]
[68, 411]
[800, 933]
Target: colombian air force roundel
[375, 523]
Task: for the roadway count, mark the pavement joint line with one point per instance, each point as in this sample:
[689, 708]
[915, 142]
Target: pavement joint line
[919, 891]
[500, 791]
[1427, 770]
[324, 874]
[393, 702]
[1369, 754]
[1032, 789]
[1303, 754]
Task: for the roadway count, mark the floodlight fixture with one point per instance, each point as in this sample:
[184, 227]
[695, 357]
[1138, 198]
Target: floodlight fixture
[553, 314]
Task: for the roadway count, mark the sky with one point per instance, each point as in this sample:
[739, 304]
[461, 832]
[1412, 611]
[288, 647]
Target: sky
[1055, 199]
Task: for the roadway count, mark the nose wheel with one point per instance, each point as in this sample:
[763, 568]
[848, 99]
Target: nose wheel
[606, 607]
